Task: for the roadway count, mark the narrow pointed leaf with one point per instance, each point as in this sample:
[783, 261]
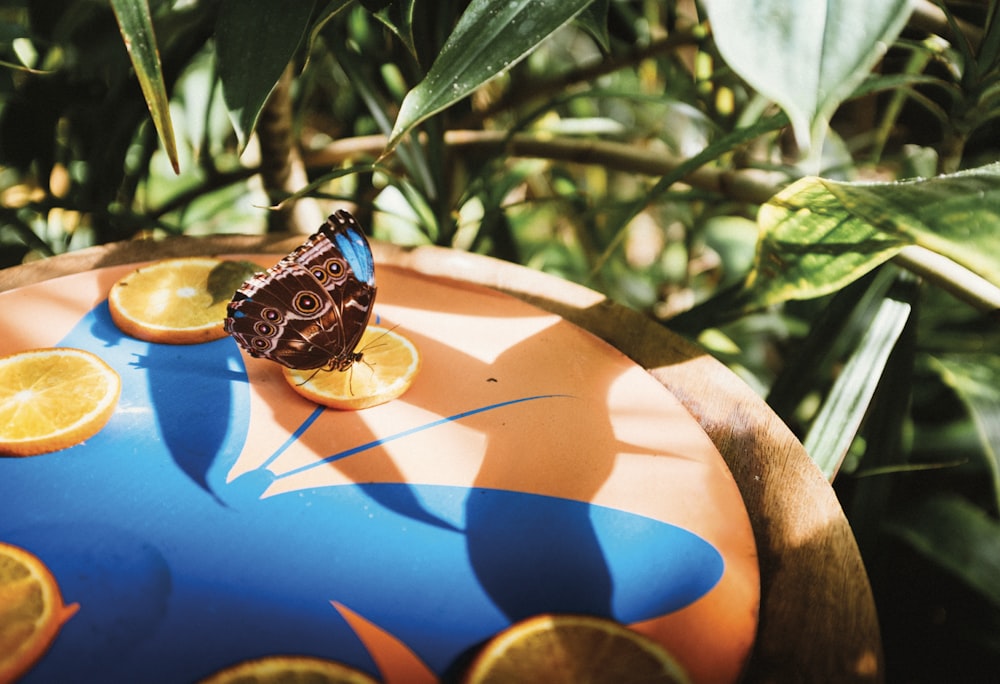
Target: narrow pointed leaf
[846, 406]
[976, 380]
[959, 537]
[136, 26]
[254, 42]
[490, 37]
[805, 56]
[818, 235]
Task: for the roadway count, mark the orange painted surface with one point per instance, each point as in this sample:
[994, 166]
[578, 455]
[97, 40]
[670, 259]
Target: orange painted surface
[510, 398]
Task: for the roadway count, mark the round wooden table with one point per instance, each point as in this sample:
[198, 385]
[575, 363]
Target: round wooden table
[817, 614]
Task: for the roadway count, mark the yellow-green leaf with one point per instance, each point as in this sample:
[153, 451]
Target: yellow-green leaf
[136, 26]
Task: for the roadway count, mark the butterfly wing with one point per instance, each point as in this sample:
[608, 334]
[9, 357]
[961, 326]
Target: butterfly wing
[310, 309]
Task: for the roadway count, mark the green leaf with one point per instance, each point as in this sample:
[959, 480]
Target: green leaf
[490, 37]
[976, 380]
[224, 279]
[819, 235]
[398, 18]
[136, 26]
[957, 536]
[594, 20]
[254, 42]
[847, 404]
[806, 56]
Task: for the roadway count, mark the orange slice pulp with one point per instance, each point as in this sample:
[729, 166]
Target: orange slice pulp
[289, 670]
[51, 399]
[387, 369]
[582, 649]
[31, 611]
[177, 301]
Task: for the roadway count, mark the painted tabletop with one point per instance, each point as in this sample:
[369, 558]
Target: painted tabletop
[530, 468]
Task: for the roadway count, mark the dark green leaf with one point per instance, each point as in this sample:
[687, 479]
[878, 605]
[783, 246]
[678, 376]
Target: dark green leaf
[136, 26]
[398, 17]
[224, 279]
[254, 42]
[959, 537]
[490, 37]
[594, 20]
[976, 380]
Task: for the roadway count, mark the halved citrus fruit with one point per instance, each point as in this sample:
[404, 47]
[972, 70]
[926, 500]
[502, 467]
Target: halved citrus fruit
[572, 648]
[388, 368]
[177, 301]
[51, 399]
[290, 670]
[31, 611]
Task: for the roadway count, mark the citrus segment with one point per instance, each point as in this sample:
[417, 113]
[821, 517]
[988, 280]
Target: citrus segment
[51, 399]
[387, 369]
[31, 611]
[572, 648]
[176, 301]
[289, 670]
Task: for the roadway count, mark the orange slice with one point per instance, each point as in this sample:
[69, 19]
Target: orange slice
[290, 670]
[177, 301]
[572, 648]
[388, 368]
[51, 399]
[31, 611]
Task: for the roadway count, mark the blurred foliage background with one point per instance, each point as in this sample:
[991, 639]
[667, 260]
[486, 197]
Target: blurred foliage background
[809, 190]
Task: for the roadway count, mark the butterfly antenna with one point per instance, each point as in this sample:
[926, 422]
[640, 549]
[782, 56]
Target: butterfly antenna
[374, 342]
[313, 375]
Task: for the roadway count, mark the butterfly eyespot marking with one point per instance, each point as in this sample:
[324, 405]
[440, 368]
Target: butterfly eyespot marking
[335, 268]
[261, 343]
[305, 303]
[264, 329]
[272, 315]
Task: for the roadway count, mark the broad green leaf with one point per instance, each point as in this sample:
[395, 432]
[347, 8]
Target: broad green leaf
[136, 26]
[254, 42]
[806, 56]
[957, 215]
[976, 380]
[490, 37]
[957, 536]
[819, 235]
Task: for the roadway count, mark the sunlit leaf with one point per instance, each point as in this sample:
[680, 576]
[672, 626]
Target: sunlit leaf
[976, 380]
[818, 235]
[847, 404]
[806, 56]
[959, 537]
[136, 26]
[490, 37]
[254, 42]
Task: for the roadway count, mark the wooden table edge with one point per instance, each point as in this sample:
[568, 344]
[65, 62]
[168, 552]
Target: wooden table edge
[817, 614]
